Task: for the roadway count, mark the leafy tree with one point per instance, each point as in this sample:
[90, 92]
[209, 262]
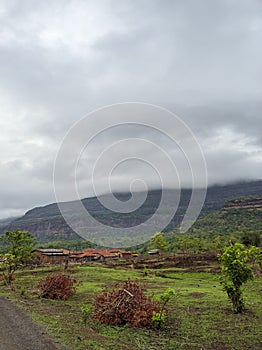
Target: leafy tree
[187, 244]
[236, 271]
[158, 242]
[74, 245]
[18, 246]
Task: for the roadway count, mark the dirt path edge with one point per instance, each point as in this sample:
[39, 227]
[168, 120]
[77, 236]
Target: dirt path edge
[19, 332]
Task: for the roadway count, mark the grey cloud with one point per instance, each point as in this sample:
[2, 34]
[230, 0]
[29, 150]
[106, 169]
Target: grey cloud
[60, 60]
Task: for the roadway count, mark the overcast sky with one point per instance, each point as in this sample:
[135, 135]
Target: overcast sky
[60, 60]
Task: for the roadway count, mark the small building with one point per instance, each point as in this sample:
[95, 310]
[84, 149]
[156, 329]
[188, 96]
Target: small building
[58, 256]
[122, 254]
[92, 255]
[51, 256]
[102, 254]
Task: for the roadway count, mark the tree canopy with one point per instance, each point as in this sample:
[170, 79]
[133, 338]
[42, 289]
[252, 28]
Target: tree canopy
[158, 242]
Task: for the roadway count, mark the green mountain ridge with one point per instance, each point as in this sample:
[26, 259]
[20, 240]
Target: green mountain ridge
[239, 220]
[230, 219]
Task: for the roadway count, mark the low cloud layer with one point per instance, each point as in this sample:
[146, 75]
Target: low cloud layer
[61, 60]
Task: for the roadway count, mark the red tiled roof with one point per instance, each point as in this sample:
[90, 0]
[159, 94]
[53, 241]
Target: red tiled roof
[92, 252]
[103, 252]
[117, 250]
[108, 255]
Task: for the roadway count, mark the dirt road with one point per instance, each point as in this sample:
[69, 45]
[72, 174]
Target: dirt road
[18, 332]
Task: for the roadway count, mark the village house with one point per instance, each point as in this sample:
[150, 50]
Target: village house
[58, 256]
[83, 256]
[122, 254]
[51, 256]
[100, 254]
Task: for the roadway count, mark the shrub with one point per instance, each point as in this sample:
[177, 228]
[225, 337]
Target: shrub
[159, 317]
[57, 286]
[236, 271]
[125, 304]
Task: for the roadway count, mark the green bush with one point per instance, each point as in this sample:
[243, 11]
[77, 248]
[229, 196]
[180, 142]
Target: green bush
[236, 271]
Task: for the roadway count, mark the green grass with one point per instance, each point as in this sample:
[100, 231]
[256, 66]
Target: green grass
[200, 316]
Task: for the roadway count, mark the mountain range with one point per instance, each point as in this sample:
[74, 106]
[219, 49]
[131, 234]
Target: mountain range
[47, 224]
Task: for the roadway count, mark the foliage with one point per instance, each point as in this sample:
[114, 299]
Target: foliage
[255, 258]
[237, 221]
[86, 311]
[18, 243]
[8, 267]
[57, 286]
[251, 238]
[125, 304]
[187, 244]
[213, 231]
[236, 271]
[158, 242]
[159, 317]
[75, 245]
[18, 246]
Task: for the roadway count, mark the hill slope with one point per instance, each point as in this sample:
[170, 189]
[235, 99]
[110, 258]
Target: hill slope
[47, 224]
[229, 221]
[239, 220]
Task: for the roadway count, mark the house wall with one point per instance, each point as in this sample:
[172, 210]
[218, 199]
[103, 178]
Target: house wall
[50, 259]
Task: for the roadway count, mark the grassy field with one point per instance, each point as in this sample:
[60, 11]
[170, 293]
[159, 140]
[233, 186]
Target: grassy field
[200, 315]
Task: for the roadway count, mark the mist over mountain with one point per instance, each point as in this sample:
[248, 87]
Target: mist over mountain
[47, 223]
[4, 222]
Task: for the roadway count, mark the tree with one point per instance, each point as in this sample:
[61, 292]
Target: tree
[158, 242]
[236, 271]
[17, 246]
[189, 244]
